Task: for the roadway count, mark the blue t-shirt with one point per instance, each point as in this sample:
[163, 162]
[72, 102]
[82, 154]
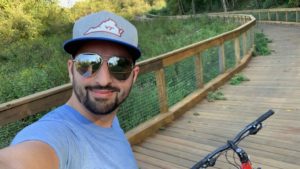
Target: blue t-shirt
[79, 143]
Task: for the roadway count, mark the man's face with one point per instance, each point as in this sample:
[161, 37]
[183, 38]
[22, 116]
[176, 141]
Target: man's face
[102, 93]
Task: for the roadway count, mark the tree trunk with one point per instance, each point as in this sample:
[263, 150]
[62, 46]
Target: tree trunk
[224, 5]
[233, 4]
[193, 7]
[179, 7]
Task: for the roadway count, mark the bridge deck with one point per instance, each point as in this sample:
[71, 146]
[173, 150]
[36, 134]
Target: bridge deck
[274, 84]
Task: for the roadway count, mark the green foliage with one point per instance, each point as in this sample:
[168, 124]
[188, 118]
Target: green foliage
[261, 44]
[238, 79]
[175, 7]
[31, 66]
[179, 7]
[215, 95]
[294, 3]
[163, 35]
[129, 8]
[268, 3]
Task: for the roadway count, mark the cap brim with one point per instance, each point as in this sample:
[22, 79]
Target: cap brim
[71, 46]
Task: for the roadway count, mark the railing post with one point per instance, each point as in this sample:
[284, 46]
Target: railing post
[259, 17]
[297, 16]
[253, 37]
[286, 16]
[237, 51]
[244, 43]
[277, 17]
[162, 92]
[269, 18]
[199, 70]
[221, 58]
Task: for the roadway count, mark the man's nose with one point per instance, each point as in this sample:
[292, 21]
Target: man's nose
[103, 77]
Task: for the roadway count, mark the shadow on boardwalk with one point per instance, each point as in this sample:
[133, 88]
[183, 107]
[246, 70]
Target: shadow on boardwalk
[274, 84]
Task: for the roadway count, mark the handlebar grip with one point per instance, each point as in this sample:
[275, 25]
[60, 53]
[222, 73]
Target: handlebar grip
[265, 116]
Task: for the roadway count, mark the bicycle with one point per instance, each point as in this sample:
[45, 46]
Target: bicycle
[250, 129]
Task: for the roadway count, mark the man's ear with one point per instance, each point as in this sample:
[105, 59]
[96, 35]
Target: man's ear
[70, 69]
[136, 71]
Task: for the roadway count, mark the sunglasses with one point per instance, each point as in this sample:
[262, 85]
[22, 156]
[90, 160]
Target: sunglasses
[87, 64]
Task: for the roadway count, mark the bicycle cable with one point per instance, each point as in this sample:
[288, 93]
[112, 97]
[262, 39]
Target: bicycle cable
[231, 163]
[234, 159]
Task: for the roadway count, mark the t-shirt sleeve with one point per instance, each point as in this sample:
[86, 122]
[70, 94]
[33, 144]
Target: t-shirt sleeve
[55, 134]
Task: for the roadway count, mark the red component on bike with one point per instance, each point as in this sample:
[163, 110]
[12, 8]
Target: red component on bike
[246, 165]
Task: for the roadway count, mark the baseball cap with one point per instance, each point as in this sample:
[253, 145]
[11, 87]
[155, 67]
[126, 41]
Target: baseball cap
[104, 26]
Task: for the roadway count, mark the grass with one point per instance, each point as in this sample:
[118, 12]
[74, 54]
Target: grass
[238, 79]
[215, 95]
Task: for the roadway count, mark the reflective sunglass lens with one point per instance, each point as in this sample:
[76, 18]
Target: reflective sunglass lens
[88, 63]
[120, 67]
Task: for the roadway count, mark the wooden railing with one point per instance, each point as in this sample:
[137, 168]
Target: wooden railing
[281, 15]
[43, 101]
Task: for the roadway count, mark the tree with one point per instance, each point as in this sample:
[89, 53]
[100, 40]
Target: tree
[224, 5]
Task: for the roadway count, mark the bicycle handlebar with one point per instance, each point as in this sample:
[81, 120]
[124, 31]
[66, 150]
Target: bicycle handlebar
[265, 116]
[251, 128]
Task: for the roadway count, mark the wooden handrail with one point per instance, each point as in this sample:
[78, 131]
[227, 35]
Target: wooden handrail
[275, 11]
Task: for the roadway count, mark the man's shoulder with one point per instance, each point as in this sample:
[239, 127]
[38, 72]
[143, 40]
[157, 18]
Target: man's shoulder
[60, 113]
[53, 126]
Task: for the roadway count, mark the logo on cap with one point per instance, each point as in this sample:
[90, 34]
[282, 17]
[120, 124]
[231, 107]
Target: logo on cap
[108, 26]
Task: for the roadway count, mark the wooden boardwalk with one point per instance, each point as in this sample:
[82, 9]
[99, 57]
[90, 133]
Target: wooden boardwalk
[274, 84]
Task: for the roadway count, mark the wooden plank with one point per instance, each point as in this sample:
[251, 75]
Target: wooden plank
[42, 101]
[280, 22]
[162, 91]
[237, 51]
[144, 165]
[156, 162]
[150, 65]
[166, 157]
[221, 58]
[244, 45]
[203, 140]
[213, 136]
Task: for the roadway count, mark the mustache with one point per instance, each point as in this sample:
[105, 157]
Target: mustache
[115, 89]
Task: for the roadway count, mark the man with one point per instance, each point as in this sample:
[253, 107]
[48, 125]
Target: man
[85, 132]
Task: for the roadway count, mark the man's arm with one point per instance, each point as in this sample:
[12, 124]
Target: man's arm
[29, 155]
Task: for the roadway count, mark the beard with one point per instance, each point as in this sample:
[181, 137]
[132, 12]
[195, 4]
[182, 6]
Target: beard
[99, 106]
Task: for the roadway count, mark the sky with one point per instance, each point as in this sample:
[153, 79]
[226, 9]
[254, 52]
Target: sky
[67, 3]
